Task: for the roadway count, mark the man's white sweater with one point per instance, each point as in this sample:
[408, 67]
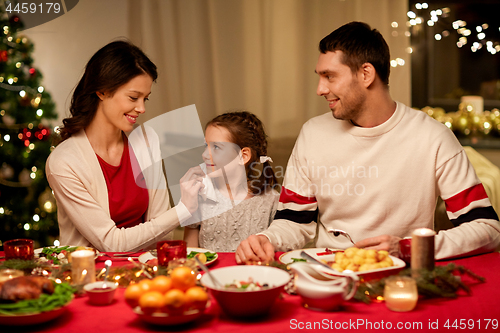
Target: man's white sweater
[382, 180]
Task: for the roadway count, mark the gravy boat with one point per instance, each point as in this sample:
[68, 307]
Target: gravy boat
[321, 291]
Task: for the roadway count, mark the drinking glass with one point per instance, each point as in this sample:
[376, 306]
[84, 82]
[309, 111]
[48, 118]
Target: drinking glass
[170, 250]
[19, 249]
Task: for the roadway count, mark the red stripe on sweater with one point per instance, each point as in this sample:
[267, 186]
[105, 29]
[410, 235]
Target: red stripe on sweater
[464, 198]
[290, 196]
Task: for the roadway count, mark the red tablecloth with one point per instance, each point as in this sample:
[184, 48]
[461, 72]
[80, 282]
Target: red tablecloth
[479, 312]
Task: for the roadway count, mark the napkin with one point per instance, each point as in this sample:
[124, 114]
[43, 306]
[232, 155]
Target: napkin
[208, 192]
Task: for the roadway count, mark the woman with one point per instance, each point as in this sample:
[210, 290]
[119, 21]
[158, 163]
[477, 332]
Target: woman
[93, 171]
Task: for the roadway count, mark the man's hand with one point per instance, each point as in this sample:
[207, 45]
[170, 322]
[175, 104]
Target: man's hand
[255, 248]
[384, 242]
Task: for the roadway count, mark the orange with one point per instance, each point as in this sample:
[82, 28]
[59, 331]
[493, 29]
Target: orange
[196, 297]
[183, 278]
[161, 283]
[151, 301]
[145, 285]
[202, 257]
[132, 295]
[196, 294]
[175, 300]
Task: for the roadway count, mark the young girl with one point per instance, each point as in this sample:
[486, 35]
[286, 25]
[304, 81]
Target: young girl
[91, 171]
[243, 200]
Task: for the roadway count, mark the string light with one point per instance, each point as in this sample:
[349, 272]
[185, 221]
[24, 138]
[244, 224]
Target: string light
[459, 25]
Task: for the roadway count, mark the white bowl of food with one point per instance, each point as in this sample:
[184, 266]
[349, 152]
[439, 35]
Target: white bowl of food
[246, 291]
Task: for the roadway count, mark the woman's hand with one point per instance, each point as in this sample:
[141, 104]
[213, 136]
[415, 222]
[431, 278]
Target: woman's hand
[191, 184]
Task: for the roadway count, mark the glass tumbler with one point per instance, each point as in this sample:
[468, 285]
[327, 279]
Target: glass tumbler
[170, 250]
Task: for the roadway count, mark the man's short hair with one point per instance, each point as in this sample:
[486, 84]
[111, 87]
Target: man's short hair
[360, 44]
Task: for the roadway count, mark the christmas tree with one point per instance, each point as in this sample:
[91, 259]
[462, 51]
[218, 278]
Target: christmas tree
[27, 206]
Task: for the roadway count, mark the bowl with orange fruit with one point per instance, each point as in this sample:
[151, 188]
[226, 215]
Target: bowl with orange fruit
[168, 300]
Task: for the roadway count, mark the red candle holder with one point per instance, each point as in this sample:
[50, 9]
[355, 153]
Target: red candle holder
[19, 249]
[170, 250]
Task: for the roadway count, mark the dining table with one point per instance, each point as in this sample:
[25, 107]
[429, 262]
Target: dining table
[478, 311]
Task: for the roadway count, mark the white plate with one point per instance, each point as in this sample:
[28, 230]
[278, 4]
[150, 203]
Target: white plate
[143, 258]
[39, 250]
[319, 253]
[33, 318]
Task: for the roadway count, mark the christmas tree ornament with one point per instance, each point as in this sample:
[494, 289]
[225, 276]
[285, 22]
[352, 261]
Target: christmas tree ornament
[24, 177]
[6, 171]
[4, 56]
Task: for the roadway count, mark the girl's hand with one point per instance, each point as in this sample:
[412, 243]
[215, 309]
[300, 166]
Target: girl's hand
[191, 184]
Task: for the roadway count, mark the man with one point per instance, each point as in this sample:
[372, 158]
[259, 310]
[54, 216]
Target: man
[373, 167]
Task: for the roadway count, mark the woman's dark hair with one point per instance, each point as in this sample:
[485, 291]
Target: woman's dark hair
[109, 68]
[360, 44]
[246, 130]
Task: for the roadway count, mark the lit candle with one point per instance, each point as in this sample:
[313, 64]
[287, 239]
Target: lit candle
[400, 293]
[422, 249]
[83, 267]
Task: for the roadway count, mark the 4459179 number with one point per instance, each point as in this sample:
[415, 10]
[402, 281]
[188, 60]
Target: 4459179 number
[464, 324]
[33, 8]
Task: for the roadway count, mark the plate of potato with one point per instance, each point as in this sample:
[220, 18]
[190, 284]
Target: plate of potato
[362, 262]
